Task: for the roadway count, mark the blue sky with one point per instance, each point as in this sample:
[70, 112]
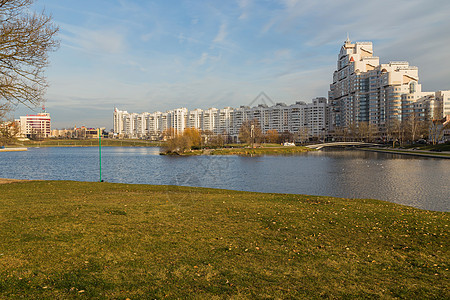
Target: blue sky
[143, 55]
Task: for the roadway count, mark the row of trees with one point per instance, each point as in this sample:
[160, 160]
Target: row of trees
[191, 139]
[406, 131]
[250, 133]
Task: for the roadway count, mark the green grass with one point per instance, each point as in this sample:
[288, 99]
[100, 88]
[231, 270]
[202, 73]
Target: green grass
[89, 142]
[68, 240]
[442, 147]
[261, 151]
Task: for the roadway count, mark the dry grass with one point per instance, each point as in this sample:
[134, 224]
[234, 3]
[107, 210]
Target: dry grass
[6, 180]
[100, 240]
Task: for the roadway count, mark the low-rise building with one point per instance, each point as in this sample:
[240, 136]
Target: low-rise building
[77, 133]
[35, 126]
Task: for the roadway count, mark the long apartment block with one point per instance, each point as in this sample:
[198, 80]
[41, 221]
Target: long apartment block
[310, 118]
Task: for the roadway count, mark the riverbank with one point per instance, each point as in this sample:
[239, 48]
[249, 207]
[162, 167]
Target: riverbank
[64, 239]
[421, 153]
[246, 151]
[13, 149]
[88, 143]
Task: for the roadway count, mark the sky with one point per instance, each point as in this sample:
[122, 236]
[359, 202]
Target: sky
[146, 56]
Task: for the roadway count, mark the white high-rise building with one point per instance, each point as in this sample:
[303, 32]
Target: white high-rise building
[363, 90]
[179, 119]
[210, 119]
[316, 117]
[444, 99]
[225, 121]
[195, 119]
[118, 120]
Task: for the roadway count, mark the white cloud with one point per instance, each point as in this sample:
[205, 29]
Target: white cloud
[244, 5]
[222, 34]
[225, 53]
[207, 58]
[101, 41]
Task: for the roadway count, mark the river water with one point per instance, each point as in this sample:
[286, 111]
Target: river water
[414, 181]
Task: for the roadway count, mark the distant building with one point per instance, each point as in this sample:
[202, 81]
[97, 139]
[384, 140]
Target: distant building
[35, 125]
[311, 118]
[444, 98]
[363, 90]
[77, 133]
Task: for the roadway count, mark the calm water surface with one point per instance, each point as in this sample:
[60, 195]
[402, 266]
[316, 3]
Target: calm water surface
[413, 181]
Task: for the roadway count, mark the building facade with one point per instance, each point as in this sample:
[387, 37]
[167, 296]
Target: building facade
[310, 118]
[38, 125]
[77, 133]
[363, 90]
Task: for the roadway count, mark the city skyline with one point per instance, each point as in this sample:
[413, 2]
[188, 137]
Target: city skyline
[149, 56]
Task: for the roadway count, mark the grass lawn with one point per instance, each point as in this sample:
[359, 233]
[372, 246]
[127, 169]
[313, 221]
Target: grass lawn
[63, 240]
[246, 151]
[261, 151]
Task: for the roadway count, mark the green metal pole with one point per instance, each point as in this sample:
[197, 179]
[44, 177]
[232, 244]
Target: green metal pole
[100, 153]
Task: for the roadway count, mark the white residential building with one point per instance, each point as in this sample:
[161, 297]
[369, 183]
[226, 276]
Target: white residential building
[363, 90]
[444, 99]
[38, 125]
[312, 117]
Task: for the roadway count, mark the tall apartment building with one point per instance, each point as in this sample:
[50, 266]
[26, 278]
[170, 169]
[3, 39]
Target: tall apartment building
[444, 99]
[363, 90]
[306, 117]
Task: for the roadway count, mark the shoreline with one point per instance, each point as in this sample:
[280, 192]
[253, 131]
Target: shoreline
[243, 151]
[14, 149]
[429, 154]
[8, 180]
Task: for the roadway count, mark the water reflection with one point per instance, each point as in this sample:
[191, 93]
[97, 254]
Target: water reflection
[419, 182]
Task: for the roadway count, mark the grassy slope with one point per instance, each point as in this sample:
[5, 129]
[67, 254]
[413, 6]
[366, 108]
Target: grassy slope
[102, 240]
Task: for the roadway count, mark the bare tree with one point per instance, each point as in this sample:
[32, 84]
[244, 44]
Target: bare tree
[25, 41]
[395, 131]
[303, 134]
[352, 131]
[362, 131]
[414, 127]
[367, 132]
[216, 141]
[436, 130]
[250, 132]
[168, 133]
